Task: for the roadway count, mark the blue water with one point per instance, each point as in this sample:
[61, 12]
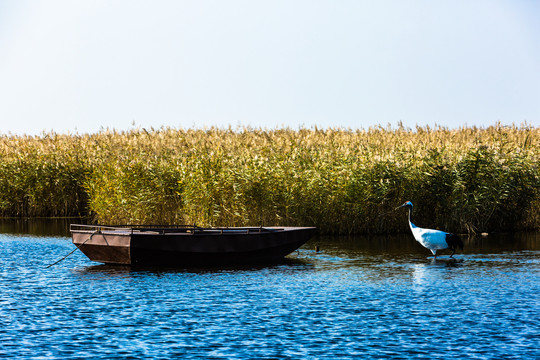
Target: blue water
[357, 298]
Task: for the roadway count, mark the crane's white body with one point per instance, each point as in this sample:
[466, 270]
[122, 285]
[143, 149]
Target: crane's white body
[431, 239]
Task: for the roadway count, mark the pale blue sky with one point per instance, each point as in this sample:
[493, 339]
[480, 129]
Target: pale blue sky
[82, 65]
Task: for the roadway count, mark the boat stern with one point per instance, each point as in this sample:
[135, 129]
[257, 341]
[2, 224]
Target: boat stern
[102, 246]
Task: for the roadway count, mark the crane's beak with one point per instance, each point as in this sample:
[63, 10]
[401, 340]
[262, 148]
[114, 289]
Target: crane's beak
[400, 206]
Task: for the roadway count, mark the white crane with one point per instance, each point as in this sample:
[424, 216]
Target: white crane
[433, 239]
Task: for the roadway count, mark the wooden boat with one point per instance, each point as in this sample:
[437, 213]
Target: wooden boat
[186, 245]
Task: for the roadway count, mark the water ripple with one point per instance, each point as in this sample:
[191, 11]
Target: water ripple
[335, 304]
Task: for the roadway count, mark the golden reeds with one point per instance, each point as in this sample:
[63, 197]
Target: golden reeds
[343, 181]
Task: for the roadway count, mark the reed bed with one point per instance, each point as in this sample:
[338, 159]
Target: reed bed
[340, 180]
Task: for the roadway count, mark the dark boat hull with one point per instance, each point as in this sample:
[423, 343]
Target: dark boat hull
[185, 247]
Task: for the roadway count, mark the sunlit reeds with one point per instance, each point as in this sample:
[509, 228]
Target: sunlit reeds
[343, 181]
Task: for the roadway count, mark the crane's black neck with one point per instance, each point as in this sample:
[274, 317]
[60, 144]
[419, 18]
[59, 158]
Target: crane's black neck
[410, 215]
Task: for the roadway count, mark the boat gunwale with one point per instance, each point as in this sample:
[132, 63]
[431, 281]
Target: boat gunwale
[177, 229]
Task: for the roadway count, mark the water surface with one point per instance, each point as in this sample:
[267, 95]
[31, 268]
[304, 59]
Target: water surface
[358, 297]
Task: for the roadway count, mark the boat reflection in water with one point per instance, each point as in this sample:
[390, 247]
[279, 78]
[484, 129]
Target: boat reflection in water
[186, 245]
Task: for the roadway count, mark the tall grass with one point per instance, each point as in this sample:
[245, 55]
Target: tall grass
[342, 181]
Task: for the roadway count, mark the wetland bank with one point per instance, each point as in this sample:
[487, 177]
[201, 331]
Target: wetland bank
[339, 180]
